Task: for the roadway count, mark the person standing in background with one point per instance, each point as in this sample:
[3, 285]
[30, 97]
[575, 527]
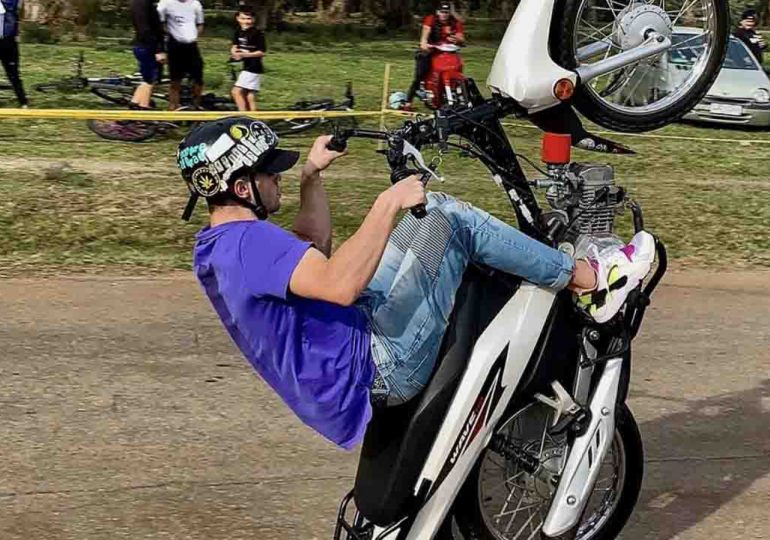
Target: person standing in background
[149, 49]
[248, 46]
[747, 33]
[10, 12]
[437, 29]
[184, 24]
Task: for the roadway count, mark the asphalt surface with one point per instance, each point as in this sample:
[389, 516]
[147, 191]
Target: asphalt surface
[126, 413]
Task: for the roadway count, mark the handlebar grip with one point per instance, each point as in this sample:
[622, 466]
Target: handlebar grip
[337, 144]
[399, 174]
[419, 211]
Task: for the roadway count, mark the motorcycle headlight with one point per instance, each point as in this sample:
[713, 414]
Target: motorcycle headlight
[761, 95]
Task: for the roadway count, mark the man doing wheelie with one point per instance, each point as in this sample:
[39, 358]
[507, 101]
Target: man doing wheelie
[335, 334]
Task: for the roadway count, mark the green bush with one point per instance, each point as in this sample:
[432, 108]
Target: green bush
[38, 33]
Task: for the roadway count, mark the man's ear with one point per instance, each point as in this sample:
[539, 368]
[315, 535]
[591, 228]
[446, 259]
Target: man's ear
[242, 188]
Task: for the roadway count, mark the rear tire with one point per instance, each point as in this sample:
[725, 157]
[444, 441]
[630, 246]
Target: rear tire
[563, 51]
[473, 524]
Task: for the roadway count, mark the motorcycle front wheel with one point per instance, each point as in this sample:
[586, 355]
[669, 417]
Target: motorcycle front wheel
[656, 90]
[500, 500]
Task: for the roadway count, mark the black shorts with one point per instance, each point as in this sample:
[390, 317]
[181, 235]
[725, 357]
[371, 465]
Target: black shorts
[184, 59]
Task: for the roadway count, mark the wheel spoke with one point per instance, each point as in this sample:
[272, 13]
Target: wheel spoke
[612, 9]
[681, 43]
[685, 8]
[521, 529]
[600, 32]
[516, 511]
[527, 508]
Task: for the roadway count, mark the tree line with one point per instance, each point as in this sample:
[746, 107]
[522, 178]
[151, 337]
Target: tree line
[391, 13]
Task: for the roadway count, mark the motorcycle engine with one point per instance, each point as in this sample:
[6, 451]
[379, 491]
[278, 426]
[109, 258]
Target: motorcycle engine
[589, 197]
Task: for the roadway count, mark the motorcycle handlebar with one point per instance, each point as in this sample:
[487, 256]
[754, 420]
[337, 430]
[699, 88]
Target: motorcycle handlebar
[339, 143]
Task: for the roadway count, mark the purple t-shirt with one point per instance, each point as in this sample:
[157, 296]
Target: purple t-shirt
[314, 354]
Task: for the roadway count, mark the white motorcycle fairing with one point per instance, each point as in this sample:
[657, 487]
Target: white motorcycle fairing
[499, 358]
[523, 68]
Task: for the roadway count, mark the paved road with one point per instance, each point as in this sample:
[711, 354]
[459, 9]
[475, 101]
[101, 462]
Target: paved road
[125, 413]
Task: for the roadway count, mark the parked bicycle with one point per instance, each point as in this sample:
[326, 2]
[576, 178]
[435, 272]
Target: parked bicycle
[119, 89]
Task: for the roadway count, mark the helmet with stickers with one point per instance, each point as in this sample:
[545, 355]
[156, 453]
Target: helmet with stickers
[217, 153]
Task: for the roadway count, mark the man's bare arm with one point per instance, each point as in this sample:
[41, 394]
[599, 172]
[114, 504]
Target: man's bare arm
[314, 221]
[342, 278]
[424, 38]
[253, 54]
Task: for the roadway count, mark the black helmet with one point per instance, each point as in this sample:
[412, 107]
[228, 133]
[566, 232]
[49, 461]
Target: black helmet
[750, 14]
[215, 153]
[444, 6]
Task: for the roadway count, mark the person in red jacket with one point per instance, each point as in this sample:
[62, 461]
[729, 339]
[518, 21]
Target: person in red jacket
[437, 29]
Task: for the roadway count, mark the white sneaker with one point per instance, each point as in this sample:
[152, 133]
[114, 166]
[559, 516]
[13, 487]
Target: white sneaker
[618, 272]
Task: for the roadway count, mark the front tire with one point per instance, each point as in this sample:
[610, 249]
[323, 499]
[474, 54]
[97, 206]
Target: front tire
[607, 510]
[662, 91]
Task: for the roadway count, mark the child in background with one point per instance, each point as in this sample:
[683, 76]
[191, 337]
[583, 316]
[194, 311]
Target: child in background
[248, 46]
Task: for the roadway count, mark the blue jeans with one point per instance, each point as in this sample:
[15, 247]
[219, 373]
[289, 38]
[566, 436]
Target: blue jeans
[411, 296]
[149, 67]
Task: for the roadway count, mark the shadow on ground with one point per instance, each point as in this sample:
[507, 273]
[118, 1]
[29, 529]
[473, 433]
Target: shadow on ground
[715, 450]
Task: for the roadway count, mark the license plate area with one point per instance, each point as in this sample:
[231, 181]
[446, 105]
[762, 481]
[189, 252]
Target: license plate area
[726, 109]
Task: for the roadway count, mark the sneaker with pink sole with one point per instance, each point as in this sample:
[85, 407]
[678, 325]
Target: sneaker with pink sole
[618, 272]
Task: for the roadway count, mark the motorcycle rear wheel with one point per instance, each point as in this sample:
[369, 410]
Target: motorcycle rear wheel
[611, 504]
[652, 92]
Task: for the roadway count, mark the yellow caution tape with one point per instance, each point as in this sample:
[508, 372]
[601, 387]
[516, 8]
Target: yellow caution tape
[95, 114]
[88, 114]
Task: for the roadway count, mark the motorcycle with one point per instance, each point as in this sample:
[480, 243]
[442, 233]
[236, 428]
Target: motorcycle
[445, 83]
[523, 431]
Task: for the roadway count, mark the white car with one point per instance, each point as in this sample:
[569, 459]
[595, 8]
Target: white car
[741, 93]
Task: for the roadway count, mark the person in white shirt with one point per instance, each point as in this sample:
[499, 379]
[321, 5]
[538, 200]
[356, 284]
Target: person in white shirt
[184, 23]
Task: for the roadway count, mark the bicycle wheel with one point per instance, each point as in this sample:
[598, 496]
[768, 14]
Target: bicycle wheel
[212, 102]
[123, 130]
[293, 126]
[73, 84]
[114, 93]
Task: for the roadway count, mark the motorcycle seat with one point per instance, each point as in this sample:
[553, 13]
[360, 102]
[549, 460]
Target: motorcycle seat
[398, 439]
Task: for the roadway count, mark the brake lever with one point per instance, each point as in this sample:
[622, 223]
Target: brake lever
[411, 152]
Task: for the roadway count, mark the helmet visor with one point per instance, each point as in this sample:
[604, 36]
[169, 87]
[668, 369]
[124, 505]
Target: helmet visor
[278, 161]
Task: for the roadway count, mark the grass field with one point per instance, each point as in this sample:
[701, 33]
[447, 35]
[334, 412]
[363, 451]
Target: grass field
[75, 203]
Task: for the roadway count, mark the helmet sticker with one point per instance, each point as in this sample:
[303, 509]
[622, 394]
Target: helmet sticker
[260, 130]
[245, 152]
[222, 145]
[238, 131]
[205, 183]
[192, 156]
